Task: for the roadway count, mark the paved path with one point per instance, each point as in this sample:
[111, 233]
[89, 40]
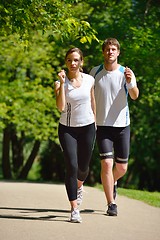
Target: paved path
[32, 211]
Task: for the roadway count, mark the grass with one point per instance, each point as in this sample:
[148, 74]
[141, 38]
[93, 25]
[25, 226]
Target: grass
[151, 198]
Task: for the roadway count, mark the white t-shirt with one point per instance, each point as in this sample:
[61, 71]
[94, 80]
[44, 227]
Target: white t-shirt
[111, 96]
[78, 111]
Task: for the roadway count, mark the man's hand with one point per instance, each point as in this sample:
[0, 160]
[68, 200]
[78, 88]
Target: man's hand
[128, 74]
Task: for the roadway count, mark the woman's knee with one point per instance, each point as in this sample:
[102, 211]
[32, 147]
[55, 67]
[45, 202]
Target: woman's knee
[82, 175]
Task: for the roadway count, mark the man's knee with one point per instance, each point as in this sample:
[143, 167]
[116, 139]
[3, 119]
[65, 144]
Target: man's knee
[106, 165]
[122, 168]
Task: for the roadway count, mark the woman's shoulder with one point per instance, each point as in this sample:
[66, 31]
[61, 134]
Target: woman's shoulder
[88, 78]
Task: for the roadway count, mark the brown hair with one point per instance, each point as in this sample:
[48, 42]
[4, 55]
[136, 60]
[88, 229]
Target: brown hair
[111, 41]
[74, 49]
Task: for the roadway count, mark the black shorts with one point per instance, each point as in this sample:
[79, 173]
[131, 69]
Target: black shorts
[113, 142]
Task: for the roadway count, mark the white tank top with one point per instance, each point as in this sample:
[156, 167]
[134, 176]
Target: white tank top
[78, 111]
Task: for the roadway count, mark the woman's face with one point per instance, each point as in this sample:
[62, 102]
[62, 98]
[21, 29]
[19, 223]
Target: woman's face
[73, 62]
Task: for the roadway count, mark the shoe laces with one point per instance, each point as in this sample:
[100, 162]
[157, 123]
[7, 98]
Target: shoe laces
[80, 193]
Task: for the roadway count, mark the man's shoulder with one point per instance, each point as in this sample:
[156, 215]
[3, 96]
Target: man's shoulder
[95, 70]
[121, 69]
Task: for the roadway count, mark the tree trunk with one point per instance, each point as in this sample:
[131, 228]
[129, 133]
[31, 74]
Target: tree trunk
[17, 151]
[6, 168]
[28, 165]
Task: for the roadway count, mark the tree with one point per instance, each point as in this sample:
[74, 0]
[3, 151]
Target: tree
[24, 17]
[28, 107]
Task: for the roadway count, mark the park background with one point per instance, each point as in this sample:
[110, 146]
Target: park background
[35, 36]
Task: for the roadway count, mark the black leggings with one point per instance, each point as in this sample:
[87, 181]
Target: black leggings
[77, 144]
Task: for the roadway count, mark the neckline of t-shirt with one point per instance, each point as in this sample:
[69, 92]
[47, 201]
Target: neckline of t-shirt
[110, 72]
[72, 85]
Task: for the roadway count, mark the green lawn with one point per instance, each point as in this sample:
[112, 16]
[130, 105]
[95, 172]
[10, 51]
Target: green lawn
[151, 198]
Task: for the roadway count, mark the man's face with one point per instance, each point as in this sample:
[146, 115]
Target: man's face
[110, 53]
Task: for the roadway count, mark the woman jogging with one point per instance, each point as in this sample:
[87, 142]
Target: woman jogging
[75, 99]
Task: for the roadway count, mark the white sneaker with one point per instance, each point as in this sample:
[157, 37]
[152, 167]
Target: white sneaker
[75, 216]
[79, 195]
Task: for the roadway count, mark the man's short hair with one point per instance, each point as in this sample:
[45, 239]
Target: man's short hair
[111, 41]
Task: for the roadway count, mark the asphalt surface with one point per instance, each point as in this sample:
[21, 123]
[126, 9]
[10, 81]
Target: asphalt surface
[33, 211]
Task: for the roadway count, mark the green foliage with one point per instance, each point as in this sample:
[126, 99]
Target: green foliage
[27, 93]
[25, 16]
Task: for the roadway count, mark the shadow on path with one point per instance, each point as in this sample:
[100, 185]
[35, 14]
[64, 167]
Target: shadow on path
[26, 214]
